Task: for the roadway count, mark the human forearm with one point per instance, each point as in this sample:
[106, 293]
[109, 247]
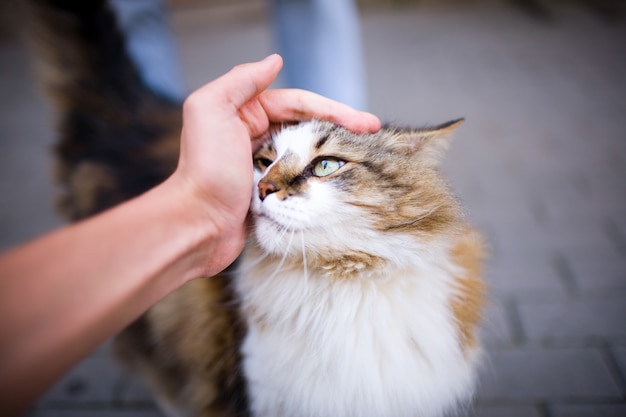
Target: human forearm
[98, 276]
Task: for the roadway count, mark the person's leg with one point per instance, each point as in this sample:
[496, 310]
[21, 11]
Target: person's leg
[151, 45]
[320, 41]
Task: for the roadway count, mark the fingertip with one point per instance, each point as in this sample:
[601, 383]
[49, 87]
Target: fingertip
[373, 122]
[275, 61]
[366, 123]
[273, 57]
[245, 81]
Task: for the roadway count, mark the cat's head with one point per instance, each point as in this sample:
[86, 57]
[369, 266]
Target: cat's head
[326, 192]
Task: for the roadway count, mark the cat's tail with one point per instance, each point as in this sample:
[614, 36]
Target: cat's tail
[117, 137]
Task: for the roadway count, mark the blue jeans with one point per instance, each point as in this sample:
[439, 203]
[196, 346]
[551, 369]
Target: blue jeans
[151, 46]
[320, 42]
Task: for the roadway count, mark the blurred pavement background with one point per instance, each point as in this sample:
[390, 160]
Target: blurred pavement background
[540, 163]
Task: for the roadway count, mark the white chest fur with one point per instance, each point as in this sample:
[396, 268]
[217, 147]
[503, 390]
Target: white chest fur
[385, 346]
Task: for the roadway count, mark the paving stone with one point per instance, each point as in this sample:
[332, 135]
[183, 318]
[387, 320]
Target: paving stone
[104, 350]
[619, 353]
[137, 392]
[95, 413]
[588, 410]
[503, 411]
[597, 193]
[95, 379]
[575, 318]
[593, 272]
[606, 195]
[540, 374]
[497, 199]
[536, 278]
[536, 239]
[564, 254]
[495, 328]
[616, 228]
[620, 225]
[508, 274]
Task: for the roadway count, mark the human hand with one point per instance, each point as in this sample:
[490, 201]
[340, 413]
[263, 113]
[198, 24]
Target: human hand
[221, 123]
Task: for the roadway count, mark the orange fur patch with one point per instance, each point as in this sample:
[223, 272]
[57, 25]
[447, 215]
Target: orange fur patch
[350, 264]
[468, 253]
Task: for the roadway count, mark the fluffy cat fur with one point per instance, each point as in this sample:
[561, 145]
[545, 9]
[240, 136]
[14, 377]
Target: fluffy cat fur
[356, 286]
[359, 292]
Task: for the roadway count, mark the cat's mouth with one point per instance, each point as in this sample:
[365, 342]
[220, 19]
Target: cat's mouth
[279, 236]
[284, 225]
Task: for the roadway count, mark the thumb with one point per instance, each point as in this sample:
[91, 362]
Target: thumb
[244, 81]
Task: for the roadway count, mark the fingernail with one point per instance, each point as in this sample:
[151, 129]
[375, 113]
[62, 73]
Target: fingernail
[269, 57]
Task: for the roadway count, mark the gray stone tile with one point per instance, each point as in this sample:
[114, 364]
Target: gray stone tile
[588, 410]
[574, 234]
[601, 316]
[616, 228]
[95, 379]
[619, 353]
[530, 275]
[498, 200]
[495, 328]
[542, 374]
[606, 271]
[503, 411]
[584, 195]
[620, 225]
[104, 350]
[137, 392]
[94, 413]
[26, 134]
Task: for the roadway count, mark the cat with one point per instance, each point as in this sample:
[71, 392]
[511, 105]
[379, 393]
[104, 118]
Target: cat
[360, 285]
[359, 292]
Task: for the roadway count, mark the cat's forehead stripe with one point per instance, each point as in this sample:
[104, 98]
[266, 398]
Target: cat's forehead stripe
[298, 140]
[322, 141]
[324, 138]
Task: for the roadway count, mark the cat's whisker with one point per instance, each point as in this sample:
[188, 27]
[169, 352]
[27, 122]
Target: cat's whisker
[250, 266]
[413, 222]
[284, 257]
[268, 281]
[304, 262]
[283, 232]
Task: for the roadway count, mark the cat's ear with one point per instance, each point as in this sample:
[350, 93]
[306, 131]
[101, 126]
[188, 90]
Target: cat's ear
[430, 143]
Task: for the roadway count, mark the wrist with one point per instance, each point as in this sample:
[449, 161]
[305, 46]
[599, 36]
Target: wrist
[211, 237]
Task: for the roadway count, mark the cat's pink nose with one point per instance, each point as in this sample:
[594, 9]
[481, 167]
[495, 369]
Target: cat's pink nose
[266, 188]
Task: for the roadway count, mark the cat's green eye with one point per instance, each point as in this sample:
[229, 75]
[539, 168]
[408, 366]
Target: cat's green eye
[326, 166]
